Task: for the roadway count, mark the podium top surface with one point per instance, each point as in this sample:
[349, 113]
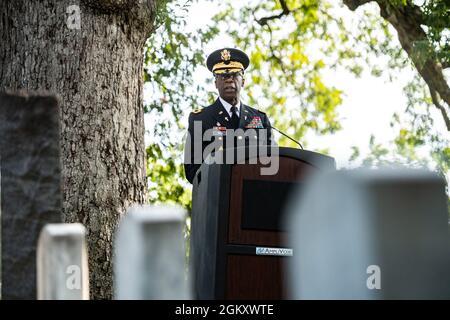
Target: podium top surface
[315, 159]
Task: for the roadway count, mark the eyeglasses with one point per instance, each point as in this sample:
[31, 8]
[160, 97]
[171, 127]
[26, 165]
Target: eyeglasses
[224, 76]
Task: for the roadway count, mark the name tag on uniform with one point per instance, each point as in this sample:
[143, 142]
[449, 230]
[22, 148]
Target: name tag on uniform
[219, 131]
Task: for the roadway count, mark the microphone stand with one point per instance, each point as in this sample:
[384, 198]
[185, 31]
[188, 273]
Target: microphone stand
[288, 137]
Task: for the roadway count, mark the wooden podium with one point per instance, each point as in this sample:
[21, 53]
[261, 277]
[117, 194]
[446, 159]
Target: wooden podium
[237, 249]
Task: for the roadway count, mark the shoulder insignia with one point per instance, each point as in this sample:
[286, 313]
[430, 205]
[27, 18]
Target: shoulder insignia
[197, 111]
[254, 109]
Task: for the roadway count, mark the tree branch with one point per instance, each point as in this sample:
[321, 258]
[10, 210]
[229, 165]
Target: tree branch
[284, 6]
[264, 21]
[409, 34]
[354, 4]
[435, 99]
[413, 10]
[272, 51]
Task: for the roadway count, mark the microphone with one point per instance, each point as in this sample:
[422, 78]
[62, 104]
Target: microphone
[284, 134]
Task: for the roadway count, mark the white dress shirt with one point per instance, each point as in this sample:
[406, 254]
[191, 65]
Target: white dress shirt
[228, 106]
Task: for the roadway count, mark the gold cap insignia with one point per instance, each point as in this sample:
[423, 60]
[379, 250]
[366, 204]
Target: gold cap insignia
[225, 54]
[197, 111]
[229, 66]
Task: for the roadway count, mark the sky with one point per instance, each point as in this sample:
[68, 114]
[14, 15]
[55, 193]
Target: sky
[368, 105]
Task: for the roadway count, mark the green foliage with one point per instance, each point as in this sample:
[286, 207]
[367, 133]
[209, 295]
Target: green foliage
[162, 13]
[437, 18]
[165, 177]
[171, 58]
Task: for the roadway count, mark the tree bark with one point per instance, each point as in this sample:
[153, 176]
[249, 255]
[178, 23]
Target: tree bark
[97, 73]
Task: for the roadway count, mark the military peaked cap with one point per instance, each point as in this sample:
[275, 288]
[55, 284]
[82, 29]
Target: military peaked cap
[227, 60]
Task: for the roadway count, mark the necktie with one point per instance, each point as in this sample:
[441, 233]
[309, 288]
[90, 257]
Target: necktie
[234, 118]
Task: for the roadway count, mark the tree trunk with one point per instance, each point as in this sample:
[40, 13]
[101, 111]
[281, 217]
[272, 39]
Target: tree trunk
[96, 70]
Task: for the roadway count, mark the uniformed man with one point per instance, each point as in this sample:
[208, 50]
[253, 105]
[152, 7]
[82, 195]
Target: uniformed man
[227, 112]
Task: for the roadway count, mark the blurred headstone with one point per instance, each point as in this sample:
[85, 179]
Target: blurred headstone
[30, 191]
[62, 263]
[371, 234]
[150, 256]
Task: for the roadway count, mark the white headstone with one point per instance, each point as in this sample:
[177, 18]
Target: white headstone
[62, 265]
[150, 256]
[370, 234]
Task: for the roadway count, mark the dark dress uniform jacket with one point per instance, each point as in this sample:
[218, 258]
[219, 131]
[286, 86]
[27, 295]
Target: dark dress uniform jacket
[215, 116]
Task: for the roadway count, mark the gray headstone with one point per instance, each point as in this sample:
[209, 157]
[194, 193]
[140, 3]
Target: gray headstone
[62, 263]
[150, 256]
[30, 190]
[371, 234]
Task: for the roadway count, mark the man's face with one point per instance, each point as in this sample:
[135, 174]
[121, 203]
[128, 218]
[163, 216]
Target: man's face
[229, 86]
